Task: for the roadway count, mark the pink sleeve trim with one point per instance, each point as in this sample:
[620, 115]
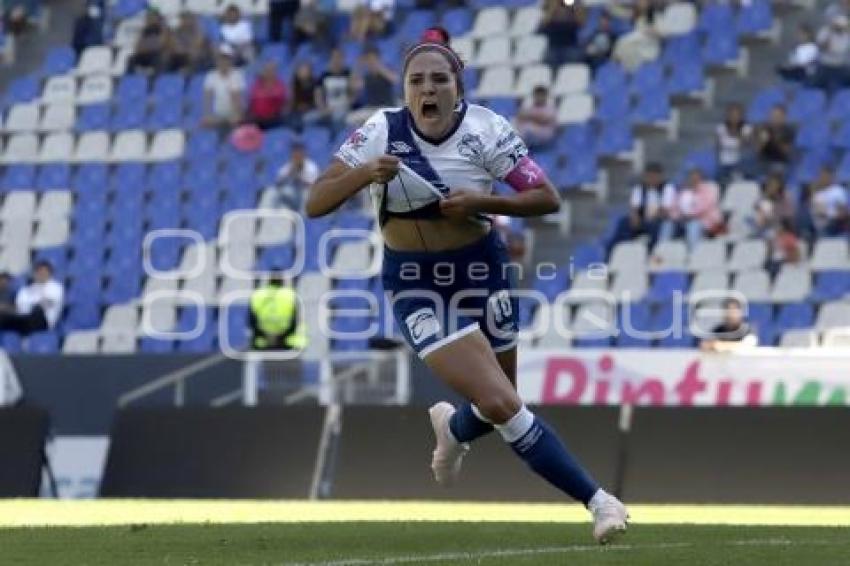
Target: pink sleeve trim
[526, 175]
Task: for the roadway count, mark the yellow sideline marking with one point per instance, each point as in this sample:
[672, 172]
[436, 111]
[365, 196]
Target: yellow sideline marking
[39, 512]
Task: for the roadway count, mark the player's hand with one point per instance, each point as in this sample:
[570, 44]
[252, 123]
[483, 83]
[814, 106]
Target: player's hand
[460, 204]
[383, 169]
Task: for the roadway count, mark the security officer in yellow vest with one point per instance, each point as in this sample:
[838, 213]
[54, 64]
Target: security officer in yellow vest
[274, 320]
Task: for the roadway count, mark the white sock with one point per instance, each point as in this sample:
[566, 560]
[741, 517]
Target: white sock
[477, 413]
[516, 427]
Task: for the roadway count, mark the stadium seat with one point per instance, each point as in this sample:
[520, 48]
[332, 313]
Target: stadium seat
[496, 81]
[836, 338]
[118, 342]
[709, 282]
[793, 284]
[807, 103]
[629, 257]
[53, 176]
[576, 108]
[23, 118]
[669, 255]
[571, 78]
[93, 117]
[81, 342]
[748, 254]
[610, 78]
[799, 338]
[795, 315]
[814, 133]
[830, 253]
[130, 145]
[95, 60]
[834, 314]
[839, 106]
[490, 22]
[59, 89]
[754, 18]
[58, 117]
[58, 61]
[754, 285]
[830, 286]
[95, 89]
[21, 148]
[667, 284]
[57, 147]
[529, 50]
[760, 106]
[494, 50]
[167, 145]
[531, 76]
[464, 47]
[678, 18]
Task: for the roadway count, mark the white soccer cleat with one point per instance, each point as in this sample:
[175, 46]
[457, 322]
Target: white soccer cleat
[449, 453]
[610, 517]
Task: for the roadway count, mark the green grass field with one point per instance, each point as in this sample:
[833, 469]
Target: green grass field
[354, 534]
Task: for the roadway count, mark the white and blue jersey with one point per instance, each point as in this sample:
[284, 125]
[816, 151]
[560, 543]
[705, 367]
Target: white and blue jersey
[438, 297]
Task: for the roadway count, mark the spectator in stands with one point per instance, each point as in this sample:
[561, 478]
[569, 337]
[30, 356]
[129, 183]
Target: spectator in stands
[371, 19]
[598, 48]
[775, 141]
[650, 204]
[801, 65]
[190, 50]
[537, 120]
[7, 293]
[834, 43]
[335, 91]
[19, 15]
[695, 210]
[295, 177]
[268, 98]
[733, 138]
[561, 23]
[643, 43]
[37, 306]
[280, 11]
[151, 53]
[784, 247]
[88, 29]
[224, 88]
[312, 22]
[734, 333]
[827, 205]
[303, 96]
[274, 319]
[773, 207]
[238, 33]
[377, 87]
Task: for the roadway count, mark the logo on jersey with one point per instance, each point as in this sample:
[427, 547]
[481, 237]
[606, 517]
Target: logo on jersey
[471, 147]
[422, 324]
[399, 147]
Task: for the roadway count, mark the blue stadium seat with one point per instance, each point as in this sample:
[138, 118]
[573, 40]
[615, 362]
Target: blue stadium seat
[581, 169]
[83, 316]
[552, 284]
[93, 117]
[276, 258]
[814, 133]
[651, 107]
[122, 289]
[612, 106]
[586, 254]
[150, 345]
[576, 138]
[53, 176]
[839, 105]
[721, 47]
[842, 172]
[634, 318]
[808, 103]
[59, 60]
[795, 315]
[615, 137]
[24, 89]
[763, 102]
[204, 343]
[809, 165]
[591, 342]
[202, 145]
[648, 78]
[682, 49]
[89, 175]
[609, 78]
[716, 17]
[754, 18]
[507, 107]
[46, 342]
[830, 286]
[169, 87]
[666, 284]
[18, 177]
[686, 77]
[165, 114]
[415, 22]
[132, 88]
[123, 9]
[457, 21]
[11, 342]
[704, 159]
[128, 115]
[85, 289]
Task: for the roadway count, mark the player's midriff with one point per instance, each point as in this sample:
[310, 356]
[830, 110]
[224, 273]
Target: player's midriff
[438, 234]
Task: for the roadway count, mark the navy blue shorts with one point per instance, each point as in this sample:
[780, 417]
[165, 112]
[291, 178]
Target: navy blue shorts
[438, 297]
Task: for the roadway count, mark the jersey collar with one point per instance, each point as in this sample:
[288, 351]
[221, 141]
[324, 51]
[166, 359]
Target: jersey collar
[437, 141]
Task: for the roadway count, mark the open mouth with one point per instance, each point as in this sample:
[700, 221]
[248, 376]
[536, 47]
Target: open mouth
[430, 110]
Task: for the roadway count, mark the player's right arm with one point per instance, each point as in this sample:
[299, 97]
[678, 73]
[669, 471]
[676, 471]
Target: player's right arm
[339, 182]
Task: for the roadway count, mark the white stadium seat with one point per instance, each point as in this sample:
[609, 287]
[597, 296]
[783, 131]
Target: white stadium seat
[576, 108]
[532, 76]
[58, 118]
[167, 145]
[81, 342]
[571, 78]
[669, 255]
[18, 205]
[741, 196]
[490, 22]
[119, 65]
[57, 147]
[61, 88]
[629, 257]
[15, 259]
[274, 231]
[831, 253]
[792, 285]
[493, 51]
[118, 342]
[92, 146]
[678, 18]
[130, 145]
[496, 81]
[587, 282]
[594, 320]
[709, 281]
[748, 254]
[95, 89]
[834, 314]
[630, 286]
[530, 49]
[708, 254]
[21, 148]
[753, 285]
[799, 338]
[23, 118]
[120, 317]
[55, 204]
[465, 48]
[526, 21]
[94, 60]
[51, 232]
[837, 338]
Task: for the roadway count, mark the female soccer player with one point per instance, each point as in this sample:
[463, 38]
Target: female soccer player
[430, 166]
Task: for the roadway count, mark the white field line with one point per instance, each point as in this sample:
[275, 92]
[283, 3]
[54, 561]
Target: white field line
[520, 552]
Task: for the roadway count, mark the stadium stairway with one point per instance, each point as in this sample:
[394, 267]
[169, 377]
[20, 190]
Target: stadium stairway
[589, 217]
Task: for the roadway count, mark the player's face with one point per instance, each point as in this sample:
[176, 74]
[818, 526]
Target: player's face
[431, 93]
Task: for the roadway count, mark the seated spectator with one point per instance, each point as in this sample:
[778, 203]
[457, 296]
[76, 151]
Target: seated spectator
[268, 98]
[7, 293]
[19, 15]
[827, 205]
[224, 88]
[643, 43]
[801, 65]
[732, 139]
[561, 24]
[88, 29]
[190, 50]
[734, 333]
[151, 53]
[695, 211]
[834, 52]
[773, 207]
[378, 87]
[371, 19]
[598, 48]
[312, 23]
[295, 177]
[335, 91]
[537, 120]
[775, 141]
[37, 306]
[280, 11]
[649, 206]
[303, 97]
[238, 33]
[784, 247]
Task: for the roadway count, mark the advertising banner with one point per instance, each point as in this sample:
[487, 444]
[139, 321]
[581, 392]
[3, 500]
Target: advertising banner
[763, 377]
